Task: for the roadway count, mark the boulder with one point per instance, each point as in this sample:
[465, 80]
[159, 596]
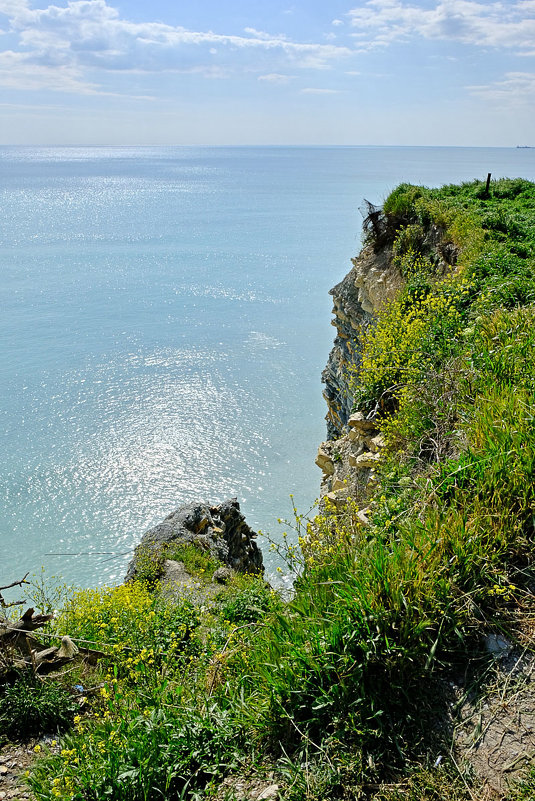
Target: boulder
[361, 423]
[325, 462]
[221, 530]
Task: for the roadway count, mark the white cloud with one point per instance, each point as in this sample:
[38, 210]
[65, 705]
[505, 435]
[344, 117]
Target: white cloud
[516, 89]
[490, 24]
[263, 35]
[313, 91]
[16, 72]
[91, 35]
[11, 7]
[274, 77]
[337, 22]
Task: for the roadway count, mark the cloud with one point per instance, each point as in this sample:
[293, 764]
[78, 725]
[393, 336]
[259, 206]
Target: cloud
[274, 77]
[17, 72]
[12, 7]
[313, 91]
[263, 35]
[516, 89]
[90, 35]
[491, 24]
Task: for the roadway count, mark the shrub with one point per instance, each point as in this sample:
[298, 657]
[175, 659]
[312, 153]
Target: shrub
[139, 628]
[401, 203]
[171, 752]
[149, 565]
[248, 600]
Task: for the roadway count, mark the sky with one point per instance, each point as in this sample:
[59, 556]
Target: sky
[314, 72]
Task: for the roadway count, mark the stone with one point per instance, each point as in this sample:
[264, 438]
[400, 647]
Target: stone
[325, 462]
[497, 645]
[337, 498]
[367, 461]
[362, 516]
[361, 423]
[376, 443]
[222, 575]
[270, 793]
[338, 485]
[220, 530]
[67, 649]
[175, 575]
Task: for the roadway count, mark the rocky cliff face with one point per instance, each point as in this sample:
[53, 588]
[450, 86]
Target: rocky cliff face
[348, 456]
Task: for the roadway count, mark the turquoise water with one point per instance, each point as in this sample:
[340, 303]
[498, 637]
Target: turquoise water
[165, 320]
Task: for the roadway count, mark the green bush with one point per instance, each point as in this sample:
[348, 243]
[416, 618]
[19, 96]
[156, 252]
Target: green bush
[248, 600]
[171, 752]
[402, 202]
[197, 562]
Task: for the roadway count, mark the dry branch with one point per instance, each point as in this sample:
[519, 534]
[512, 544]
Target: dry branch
[3, 603]
[20, 649]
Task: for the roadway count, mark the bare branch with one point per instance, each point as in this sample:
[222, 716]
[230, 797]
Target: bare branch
[16, 583]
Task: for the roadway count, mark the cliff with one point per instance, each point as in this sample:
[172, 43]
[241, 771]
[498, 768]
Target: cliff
[431, 338]
[348, 457]
[372, 281]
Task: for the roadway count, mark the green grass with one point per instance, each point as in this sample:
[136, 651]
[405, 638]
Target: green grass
[30, 707]
[197, 562]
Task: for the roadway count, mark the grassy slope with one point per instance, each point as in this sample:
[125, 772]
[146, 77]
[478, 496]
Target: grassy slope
[341, 688]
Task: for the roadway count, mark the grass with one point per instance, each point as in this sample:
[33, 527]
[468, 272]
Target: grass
[30, 707]
[198, 563]
[339, 691]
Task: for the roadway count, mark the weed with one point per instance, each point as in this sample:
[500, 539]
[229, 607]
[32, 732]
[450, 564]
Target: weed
[247, 600]
[197, 562]
[31, 707]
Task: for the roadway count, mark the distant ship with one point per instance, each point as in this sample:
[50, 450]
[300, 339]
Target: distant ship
[524, 147]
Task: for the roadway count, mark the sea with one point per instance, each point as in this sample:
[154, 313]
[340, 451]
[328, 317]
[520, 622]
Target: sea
[165, 319]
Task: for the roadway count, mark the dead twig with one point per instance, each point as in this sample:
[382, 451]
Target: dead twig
[3, 603]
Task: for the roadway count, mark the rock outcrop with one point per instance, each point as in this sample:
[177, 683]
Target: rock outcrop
[220, 530]
[348, 458]
[371, 282]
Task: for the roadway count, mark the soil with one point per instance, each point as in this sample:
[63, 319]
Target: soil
[15, 760]
[496, 732]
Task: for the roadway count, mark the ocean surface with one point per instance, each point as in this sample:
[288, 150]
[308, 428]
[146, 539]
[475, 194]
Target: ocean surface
[165, 320]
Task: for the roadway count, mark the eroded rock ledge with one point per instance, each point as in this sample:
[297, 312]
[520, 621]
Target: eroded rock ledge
[348, 457]
[220, 530]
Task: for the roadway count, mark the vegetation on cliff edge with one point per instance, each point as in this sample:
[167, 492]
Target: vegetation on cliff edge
[342, 691]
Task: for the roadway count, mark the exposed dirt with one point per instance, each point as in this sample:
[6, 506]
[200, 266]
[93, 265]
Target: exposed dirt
[236, 788]
[496, 731]
[15, 760]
